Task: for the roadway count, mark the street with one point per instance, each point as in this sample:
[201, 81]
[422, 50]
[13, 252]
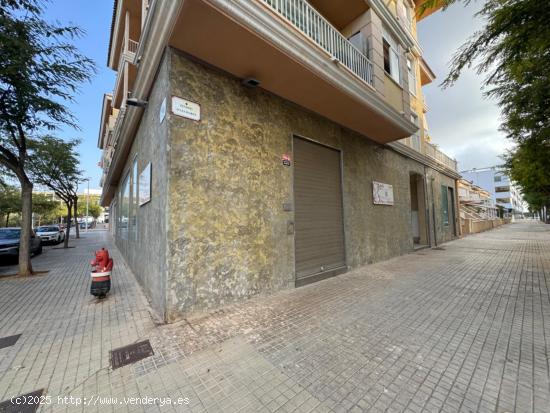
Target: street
[462, 327]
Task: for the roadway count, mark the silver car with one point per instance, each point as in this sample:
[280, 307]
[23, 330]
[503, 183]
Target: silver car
[51, 233]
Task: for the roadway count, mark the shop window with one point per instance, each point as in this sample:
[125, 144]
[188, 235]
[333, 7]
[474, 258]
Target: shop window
[134, 201]
[124, 210]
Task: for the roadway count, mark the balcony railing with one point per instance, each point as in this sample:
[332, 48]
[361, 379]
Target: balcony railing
[433, 152]
[308, 20]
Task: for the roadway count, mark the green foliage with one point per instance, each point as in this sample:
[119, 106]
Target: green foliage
[513, 51]
[94, 209]
[10, 203]
[54, 164]
[40, 71]
[44, 207]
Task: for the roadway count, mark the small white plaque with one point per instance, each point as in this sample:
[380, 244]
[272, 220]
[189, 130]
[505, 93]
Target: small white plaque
[145, 185]
[186, 108]
[382, 194]
[162, 112]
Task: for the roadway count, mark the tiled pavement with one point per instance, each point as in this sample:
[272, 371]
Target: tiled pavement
[459, 329]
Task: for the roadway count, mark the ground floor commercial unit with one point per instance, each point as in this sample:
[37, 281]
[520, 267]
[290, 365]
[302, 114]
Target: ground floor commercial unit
[229, 191]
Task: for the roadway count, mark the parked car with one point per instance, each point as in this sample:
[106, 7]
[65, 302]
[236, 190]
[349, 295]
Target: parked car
[9, 243]
[51, 233]
[90, 225]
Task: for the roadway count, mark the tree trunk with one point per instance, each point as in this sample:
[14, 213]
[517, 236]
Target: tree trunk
[77, 226]
[8, 219]
[68, 229]
[25, 267]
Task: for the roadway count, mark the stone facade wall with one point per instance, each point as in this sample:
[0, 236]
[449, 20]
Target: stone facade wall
[145, 252]
[227, 237]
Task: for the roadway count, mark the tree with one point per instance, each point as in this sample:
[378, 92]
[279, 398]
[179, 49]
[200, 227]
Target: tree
[94, 209]
[40, 70]
[43, 206]
[54, 164]
[513, 51]
[10, 202]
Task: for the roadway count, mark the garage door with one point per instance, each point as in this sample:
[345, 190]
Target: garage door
[319, 223]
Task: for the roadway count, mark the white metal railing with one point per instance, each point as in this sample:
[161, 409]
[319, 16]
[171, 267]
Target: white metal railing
[433, 152]
[311, 23]
[132, 46]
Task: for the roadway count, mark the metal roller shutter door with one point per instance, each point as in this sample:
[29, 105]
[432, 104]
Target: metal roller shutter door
[319, 223]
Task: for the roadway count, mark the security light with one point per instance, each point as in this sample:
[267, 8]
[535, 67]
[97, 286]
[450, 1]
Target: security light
[250, 82]
[136, 102]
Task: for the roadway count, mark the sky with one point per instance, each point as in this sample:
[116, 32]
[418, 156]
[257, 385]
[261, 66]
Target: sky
[462, 122]
[94, 17]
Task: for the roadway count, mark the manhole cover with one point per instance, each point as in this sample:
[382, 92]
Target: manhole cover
[130, 354]
[9, 341]
[26, 403]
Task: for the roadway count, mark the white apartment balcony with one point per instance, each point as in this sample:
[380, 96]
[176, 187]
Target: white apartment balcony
[126, 72]
[296, 53]
[313, 25]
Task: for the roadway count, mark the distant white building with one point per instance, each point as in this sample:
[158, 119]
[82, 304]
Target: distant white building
[503, 191]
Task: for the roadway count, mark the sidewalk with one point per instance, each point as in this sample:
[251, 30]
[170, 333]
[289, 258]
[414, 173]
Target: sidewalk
[459, 329]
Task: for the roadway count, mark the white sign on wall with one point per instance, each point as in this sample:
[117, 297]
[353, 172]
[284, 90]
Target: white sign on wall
[145, 185]
[186, 108]
[382, 193]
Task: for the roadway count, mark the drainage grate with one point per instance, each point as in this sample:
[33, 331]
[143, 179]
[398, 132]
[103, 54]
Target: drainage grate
[26, 403]
[130, 354]
[9, 341]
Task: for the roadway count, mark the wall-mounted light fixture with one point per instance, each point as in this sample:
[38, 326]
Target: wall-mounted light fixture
[136, 102]
[250, 82]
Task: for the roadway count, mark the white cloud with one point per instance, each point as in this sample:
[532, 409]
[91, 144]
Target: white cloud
[461, 121]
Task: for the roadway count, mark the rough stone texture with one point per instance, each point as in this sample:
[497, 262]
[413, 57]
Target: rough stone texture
[228, 232]
[460, 330]
[146, 253]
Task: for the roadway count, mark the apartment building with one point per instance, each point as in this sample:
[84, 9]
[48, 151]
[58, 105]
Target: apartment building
[504, 192]
[476, 202]
[251, 146]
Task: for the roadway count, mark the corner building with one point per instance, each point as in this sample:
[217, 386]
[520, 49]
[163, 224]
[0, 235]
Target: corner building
[251, 146]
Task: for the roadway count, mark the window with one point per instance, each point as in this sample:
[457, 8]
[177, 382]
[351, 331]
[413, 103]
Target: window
[415, 139]
[391, 56]
[445, 205]
[134, 203]
[411, 68]
[498, 178]
[502, 189]
[361, 42]
[124, 211]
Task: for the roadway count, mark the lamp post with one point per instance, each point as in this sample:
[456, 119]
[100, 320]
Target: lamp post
[87, 201]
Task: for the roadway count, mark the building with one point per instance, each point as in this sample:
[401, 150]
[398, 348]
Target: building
[251, 146]
[504, 192]
[475, 201]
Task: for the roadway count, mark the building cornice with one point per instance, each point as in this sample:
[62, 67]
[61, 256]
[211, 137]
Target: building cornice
[423, 159]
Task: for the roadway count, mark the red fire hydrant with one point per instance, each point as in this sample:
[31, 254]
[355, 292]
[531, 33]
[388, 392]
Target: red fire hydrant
[101, 274]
